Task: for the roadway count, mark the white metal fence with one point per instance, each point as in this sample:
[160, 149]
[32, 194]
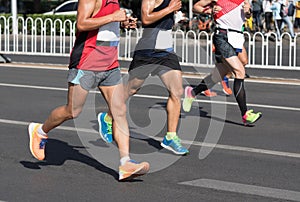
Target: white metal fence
[48, 37]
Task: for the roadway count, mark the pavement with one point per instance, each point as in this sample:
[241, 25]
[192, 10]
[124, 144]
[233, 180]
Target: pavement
[227, 161]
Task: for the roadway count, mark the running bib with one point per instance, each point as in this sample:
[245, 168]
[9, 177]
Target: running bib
[164, 40]
[236, 39]
[109, 32]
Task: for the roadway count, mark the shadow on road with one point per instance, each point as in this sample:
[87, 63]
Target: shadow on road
[57, 152]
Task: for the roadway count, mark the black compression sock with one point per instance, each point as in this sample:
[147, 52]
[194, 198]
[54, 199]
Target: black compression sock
[205, 84]
[240, 94]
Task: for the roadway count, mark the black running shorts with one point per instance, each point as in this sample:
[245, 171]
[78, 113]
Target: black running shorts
[141, 66]
[222, 47]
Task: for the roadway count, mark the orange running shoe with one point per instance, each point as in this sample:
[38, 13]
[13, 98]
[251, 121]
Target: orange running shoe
[209, 93]
[37, 142]
[132, 169]
[226, 89]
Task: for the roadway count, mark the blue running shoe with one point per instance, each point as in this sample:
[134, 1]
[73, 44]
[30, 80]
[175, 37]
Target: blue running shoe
[174, 145]
[105, 128]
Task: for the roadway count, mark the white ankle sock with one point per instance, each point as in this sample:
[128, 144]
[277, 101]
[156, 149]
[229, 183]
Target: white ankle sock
[40, 131]
[124, 159]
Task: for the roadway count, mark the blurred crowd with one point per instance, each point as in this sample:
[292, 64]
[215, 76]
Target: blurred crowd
[275, 16]
[267, 16]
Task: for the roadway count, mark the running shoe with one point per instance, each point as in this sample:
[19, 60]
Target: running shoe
[174, 145]
[209, 93]
[105, 128]
[37, 142]
[226, 88]
[250, 117]
[132, 169]
[188, 99]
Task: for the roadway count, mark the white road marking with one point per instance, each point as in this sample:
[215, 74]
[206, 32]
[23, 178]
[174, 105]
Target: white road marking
[191, 75]
[33, 87]
[249, 104]
[36, 66]
[245, 189]
[194, 143]
[156, 97]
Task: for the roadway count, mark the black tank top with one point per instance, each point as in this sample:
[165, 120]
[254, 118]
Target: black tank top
[147, 43]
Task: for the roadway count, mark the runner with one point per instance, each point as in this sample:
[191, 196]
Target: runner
[94, 63]
[154, 55]
[228, 40]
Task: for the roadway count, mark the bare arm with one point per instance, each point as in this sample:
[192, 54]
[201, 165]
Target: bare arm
[202, 6]
[149, 17]
[206, 6]
[88, 8]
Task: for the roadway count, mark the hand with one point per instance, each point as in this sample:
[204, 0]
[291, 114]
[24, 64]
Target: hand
[130, 23]
[216, 9]
[175, 5]
[119, 16]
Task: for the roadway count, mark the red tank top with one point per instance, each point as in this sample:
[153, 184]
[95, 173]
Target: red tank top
[97, 50]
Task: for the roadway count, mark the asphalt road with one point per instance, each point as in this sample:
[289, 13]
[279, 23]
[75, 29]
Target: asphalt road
[227, 161]
[253, 72]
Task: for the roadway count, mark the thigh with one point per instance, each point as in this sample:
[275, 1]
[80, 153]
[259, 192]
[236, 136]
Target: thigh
[111, 87]
[114, 96]
[243, 56]
[172, 80]
[220, 70]
[134, 84]
[236, 66]
[76, 96]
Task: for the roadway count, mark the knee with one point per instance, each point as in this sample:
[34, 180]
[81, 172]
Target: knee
[118, 110]
[176, 94]
[240, 73]
[73, 113]
[76, 113]
[245, 61]
[132, 91]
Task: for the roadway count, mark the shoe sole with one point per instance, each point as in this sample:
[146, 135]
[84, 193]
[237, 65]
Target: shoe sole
[134, 174]
[171, 149]
[208, 95]
[131, 177]
[30, 132]
[224, 91]
[100, 129]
